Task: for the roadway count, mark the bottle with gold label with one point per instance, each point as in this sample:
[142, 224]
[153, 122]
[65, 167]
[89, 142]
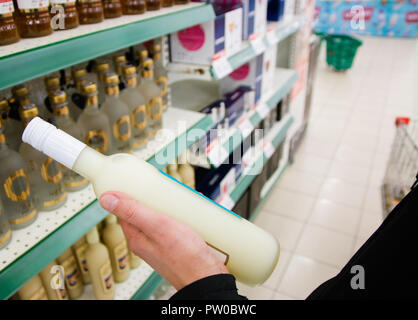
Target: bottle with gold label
[52, 84]
[69, 17]
[12, 128]
[72, 274]
[118, 62]
[53, 281]
[153, 5]
[90, 11]
[73, 89]
[133, 6]
[33, 19]
[8, 28]
[33, 290]
[101, 68]
[62, 119]
[15, 193]
[152, 95]
[142, 54]
[118, 114]
[100, 267]
[93, 122]
[172, 171]
[5, 231]
[44, 173]
[112, 8]
[137, 109]
[115, 242]
[22, 97]
[79, 250]
[161, 75]
[186, 171]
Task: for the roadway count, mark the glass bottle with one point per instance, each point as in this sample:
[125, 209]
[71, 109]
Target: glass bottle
[52, 84]
[152, 95]
[93, 122]
[90, 11]
[70, 14]
[44, 173]
[12, 128]
[118, 113]
[133, 6]
[15, 195]
[33, 19]
[137, 108]
[112, 8]
[72, 180]
[119, 61]
[73, 89]
[167, 3]
[21, 95]
[101, 68]
[161, 75]
[5, 231]
[181, 1]
[153, 5]
[8, 28]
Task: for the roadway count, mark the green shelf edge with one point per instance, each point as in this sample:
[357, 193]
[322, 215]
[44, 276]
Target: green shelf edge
[15, 275]
[27, 65]
[148, 288]
[246, 180]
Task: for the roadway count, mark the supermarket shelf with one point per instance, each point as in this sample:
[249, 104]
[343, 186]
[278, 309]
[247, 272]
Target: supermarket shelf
[32, 58]
[53, 232]
[261, 155]
[284, 80]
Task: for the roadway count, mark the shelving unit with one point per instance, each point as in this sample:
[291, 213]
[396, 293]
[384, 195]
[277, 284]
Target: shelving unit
[35, 246]
[32, 58]
[284, 80]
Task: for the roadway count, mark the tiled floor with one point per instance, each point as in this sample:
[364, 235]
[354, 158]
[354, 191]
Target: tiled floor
[328, 202]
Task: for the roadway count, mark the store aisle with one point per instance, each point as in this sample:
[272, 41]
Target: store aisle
[328, 202]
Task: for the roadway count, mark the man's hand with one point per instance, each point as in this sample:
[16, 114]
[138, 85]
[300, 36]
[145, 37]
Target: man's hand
[171, 248]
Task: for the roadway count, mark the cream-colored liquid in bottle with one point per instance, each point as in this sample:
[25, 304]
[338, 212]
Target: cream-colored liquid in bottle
[115, 241]
[100, 268]
[33, 290]
[186, 171]
[79, 250]
[53, 282]
[249, 252]
[72, 274]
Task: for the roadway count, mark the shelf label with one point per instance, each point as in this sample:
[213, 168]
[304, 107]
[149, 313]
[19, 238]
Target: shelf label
[268, 149]
[246, 127]
[227, 202]
[263, 109]
[257, 42]
[216, 153]
[221, 67]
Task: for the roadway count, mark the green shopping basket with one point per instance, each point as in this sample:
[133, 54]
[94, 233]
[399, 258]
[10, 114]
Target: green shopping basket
[341, 50]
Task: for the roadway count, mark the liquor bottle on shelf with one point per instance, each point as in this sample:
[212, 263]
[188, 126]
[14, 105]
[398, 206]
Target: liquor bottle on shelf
[90, 11]
[137, 109]
[12, 128]
[52, 84]
[15, 195]
[73, 90]
[118, 114]
[112, 8]
[181, 1]
[5, 231]
[101, 68]
[186, 171]
[152, 95]
[100, 267]
[153, 5]
[8, 27]
[33, 290]
[160, 73]
[70, 13]
[142, 54]
[172, 171]
[44, 173]
[79, 250]
[167, 3]
[72, 274]
[33, 19]
[133, 6]
[51, 273]
[115, 242]
[22, 97]
[118, 62]
[72, 180]
[93, 122]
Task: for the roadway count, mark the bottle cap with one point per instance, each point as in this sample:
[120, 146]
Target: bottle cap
[20, 90]
[92, 236]
[52, 81]
[28, 111]
[88, 87]
[156, 47]
[79, 73]
[111, 78]
[58, 97]
[128, 69]
[119, 59]
[55, 143]
[147, 63]
[102, 66]
[4, 104]
[111, 219]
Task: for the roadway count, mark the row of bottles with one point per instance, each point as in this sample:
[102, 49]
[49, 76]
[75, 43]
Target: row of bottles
[37, 18]
[124, 121]
[99, 258]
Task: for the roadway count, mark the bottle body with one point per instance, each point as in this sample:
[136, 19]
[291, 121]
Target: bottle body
[33, 290]
[154, 106]
[70, 15]
[167, 3]
[181, 1]
[5, 231]
[153, 5]
[79, 250]
[112, 8]
[71, 273]
[8, 27]
[33, 18]
[161, 79]
[133, 6]
[54, 289]
[90, 11]
[134, 260]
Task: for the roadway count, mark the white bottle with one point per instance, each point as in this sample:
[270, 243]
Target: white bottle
[249, 252]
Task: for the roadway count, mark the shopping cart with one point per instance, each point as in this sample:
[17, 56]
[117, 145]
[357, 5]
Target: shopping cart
[402, 167]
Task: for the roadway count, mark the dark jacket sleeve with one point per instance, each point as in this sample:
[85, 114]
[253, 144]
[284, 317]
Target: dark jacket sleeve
[389, 259]
[216, 287]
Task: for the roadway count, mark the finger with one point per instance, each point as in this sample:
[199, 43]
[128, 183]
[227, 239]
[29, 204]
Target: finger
[138, 242]
[130, 210]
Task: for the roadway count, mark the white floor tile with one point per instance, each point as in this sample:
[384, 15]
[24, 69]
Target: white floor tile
[300, 181]
[369, 223]
[277, 275]
[349, 173]
[255, 293]
[282, 296]
[311, 164]
[342, 192]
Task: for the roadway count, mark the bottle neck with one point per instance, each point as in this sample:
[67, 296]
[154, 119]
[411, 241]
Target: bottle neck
[131, 82]
[89, 163]
[112, 91]
[3, 145]
[147, 74]
[92, 101]
[61, 112]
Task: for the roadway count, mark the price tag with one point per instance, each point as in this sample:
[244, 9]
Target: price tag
[268, 149]
[258, 45]
[216, 153]
[246, 127]
[227, 202]
[221, 67]
[272, 37]
[263, 109]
